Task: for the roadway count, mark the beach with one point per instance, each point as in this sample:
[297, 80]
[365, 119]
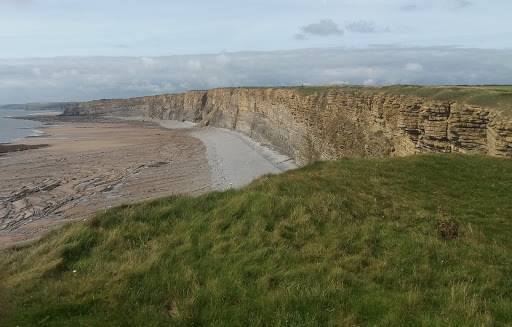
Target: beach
[81, 165]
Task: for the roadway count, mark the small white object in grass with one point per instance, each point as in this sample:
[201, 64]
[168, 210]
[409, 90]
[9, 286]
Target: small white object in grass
[74, 271]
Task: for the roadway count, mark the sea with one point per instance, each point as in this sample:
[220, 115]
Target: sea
[17, 129]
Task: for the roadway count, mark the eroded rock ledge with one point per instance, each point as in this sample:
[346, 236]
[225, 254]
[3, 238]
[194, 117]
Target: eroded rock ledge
[328, 124]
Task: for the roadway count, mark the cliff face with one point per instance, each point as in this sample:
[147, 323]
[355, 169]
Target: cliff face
[330, 124]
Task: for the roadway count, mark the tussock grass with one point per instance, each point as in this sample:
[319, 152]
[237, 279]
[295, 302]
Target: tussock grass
[3, 297]
[348, 243]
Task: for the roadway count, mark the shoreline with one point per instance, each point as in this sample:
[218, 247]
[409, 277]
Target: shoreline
[13, 134]
[88, 164]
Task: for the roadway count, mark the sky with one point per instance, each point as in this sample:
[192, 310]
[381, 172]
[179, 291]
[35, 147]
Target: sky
[68, 50]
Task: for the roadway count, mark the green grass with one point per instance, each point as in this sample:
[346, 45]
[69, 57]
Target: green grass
[347, 243]
[492, 96]
[496, 87]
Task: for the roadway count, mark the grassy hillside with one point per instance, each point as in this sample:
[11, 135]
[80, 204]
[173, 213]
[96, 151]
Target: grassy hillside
[348, 243]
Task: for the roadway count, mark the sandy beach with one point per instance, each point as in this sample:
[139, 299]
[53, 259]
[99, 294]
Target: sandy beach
[84, 164]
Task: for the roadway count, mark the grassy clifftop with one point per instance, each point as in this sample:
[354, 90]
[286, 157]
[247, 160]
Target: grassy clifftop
[497, 96]
[353, 242]
[492, 96]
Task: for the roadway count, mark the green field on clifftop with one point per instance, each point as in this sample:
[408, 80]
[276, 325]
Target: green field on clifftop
[353, 242]
[492, 96]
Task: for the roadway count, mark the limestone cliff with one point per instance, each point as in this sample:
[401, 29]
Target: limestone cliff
[330, 123]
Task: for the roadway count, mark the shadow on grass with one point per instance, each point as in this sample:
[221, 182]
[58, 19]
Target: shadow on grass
[3, 298]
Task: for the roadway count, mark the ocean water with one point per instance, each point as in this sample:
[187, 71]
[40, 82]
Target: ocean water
[16, 129]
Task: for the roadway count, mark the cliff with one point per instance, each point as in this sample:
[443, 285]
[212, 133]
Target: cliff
[326, 123]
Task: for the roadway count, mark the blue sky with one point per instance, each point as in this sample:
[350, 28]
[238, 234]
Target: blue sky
[46, 28]
[150, 32]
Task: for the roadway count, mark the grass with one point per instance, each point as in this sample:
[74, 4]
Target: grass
[347, 243]
[492, 96]
[496, 87]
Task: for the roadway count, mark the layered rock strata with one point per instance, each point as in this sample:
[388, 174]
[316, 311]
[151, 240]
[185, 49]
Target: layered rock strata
[328, 124]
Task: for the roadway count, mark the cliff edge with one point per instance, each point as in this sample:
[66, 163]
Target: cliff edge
[318, 123]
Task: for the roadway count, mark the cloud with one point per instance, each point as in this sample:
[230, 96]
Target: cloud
[409, 7]
[325, 27]
[447, 4]
[300, 36]
[194, 65]
[460, 4]
[369, 82]
[88, 78]
[413, 67]
[148, 62]
[223, 59]
[361, 26]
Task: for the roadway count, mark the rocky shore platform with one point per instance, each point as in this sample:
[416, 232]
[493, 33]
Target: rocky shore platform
[5, 148]
[81, 165]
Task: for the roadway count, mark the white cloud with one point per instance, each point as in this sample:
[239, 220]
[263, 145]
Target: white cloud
[323, 28]
[409, 7]
[369, 82]
[88, 78]
[222, 59]
[194, 65]
[185, 86]
[413, 67]
[459, 4]
[337, 82]
[361, 26]
[148, 62]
